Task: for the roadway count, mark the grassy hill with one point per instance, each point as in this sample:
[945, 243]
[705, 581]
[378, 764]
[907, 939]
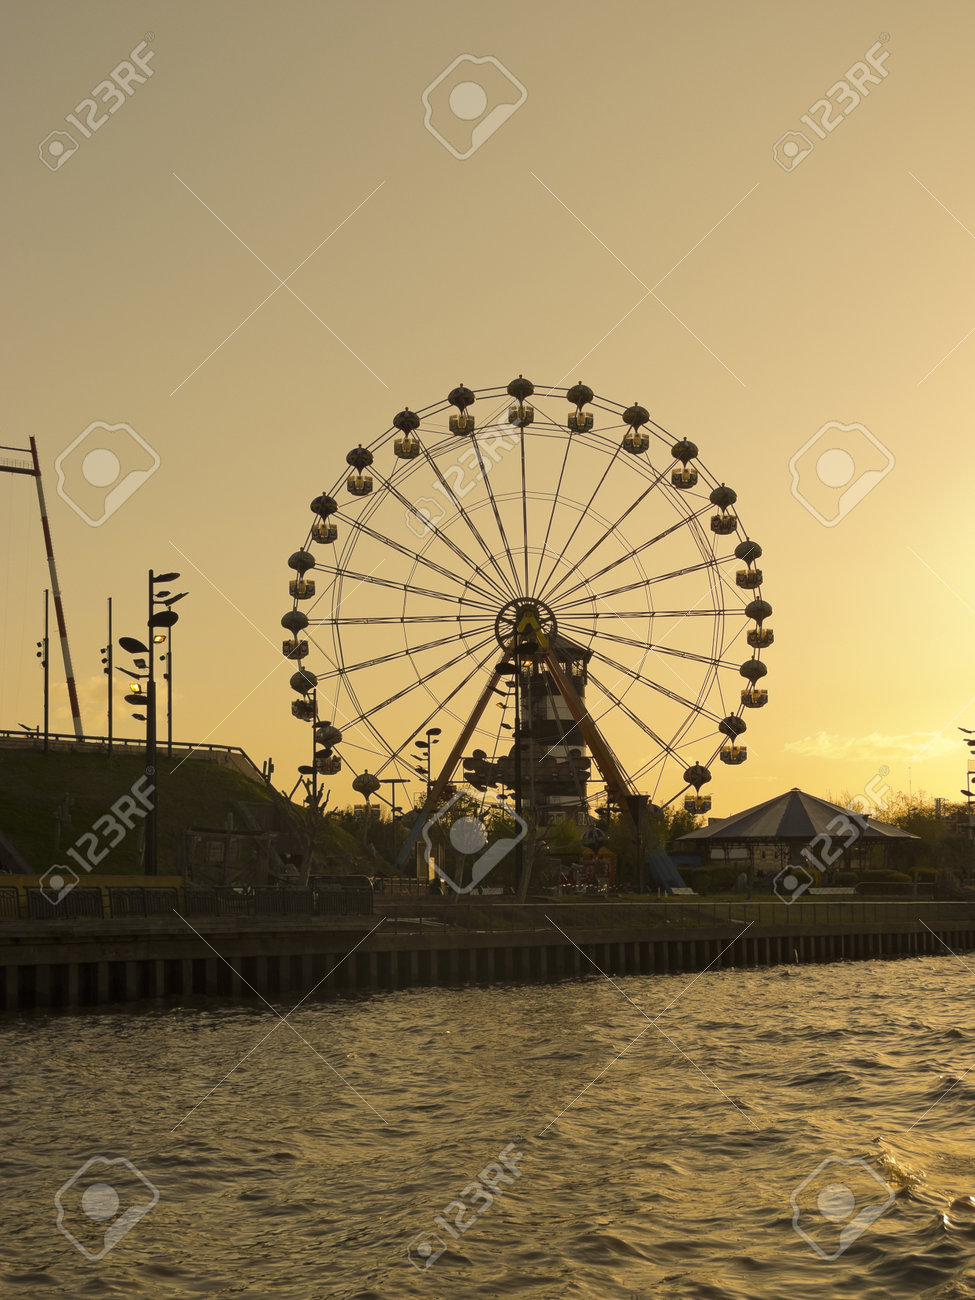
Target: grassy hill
[36, 789]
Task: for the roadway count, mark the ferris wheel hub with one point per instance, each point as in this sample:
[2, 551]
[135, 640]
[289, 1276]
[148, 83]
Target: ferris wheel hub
[525, 616]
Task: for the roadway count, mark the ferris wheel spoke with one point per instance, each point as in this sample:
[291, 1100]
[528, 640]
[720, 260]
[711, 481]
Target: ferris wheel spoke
[478, 668]
[679, 752]
[657, 648]
[623, 559]
[413, 555]
[611, 529]
[582, 515]
[437, 709]
[634, 614]
[644, 582]
[369, 620]
[551, 516]
[412, 686]
[626, 671]
[362, 720]
[393, 656]
[524, 510]
[644, 726]
[409, 588]
[497, 514]
[505, 586]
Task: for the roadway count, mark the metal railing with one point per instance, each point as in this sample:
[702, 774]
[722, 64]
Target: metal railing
[499, 916]
[137, 900]
[9, 903]
[406, 915]
[279, 902]
[44, 905]
[118, 902]
[67, 740]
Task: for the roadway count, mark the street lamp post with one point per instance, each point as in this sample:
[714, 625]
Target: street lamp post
[394, 781]
[157, 619]
[108, 660]
[423, 757]
[163, 620]
[424, 745]
[168, 678]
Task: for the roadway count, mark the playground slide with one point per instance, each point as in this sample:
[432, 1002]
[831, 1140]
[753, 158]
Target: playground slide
[661, 871]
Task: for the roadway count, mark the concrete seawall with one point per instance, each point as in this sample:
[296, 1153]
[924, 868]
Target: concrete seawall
[99, 964]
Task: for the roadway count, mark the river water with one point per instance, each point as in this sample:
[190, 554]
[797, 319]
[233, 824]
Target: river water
[655, 1131]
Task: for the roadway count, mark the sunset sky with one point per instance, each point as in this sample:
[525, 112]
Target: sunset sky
[623, 220]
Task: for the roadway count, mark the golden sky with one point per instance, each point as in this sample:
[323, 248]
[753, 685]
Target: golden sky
[620, 217]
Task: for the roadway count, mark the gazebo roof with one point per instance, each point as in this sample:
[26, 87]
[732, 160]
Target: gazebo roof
[794, 815]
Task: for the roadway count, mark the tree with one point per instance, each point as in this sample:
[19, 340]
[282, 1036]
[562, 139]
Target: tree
[943, 843]
[658, 829]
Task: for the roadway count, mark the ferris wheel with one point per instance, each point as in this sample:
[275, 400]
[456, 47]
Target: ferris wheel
[563, 558]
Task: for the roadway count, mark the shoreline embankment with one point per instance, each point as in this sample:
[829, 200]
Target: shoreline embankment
[88, 963]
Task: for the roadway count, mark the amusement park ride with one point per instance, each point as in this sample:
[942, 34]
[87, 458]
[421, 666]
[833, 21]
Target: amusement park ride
[587, 575]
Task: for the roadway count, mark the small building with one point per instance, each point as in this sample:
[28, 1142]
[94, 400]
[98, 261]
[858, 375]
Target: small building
[794, 828]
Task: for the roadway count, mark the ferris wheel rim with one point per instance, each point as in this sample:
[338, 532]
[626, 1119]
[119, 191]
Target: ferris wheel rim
[710, 565]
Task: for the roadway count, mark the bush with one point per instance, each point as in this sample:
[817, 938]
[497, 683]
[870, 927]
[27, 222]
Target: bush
[722, 879]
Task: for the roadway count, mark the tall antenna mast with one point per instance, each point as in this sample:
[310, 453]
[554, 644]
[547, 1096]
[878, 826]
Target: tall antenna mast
[33, 468]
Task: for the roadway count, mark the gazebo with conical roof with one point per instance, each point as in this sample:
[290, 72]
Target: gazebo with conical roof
[796, 821]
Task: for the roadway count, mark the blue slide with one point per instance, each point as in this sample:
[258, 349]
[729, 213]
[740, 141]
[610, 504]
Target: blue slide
[662, 872]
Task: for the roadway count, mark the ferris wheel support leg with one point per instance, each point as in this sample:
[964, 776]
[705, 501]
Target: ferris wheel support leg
[453, 758]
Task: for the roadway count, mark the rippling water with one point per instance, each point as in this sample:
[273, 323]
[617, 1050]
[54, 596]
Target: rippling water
[662, 1166]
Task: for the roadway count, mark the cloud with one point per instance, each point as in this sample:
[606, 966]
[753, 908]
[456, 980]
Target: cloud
[876, 746]
[91, 700]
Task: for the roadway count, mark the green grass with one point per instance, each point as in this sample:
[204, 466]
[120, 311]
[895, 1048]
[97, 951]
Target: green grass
[33, 785]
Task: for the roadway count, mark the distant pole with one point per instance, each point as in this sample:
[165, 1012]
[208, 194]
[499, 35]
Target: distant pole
[314, 743]
[151, 860]
[47, 669]
[110, 669]
[56, 590]
[519, 718]
[639, 846]
[169, 695]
